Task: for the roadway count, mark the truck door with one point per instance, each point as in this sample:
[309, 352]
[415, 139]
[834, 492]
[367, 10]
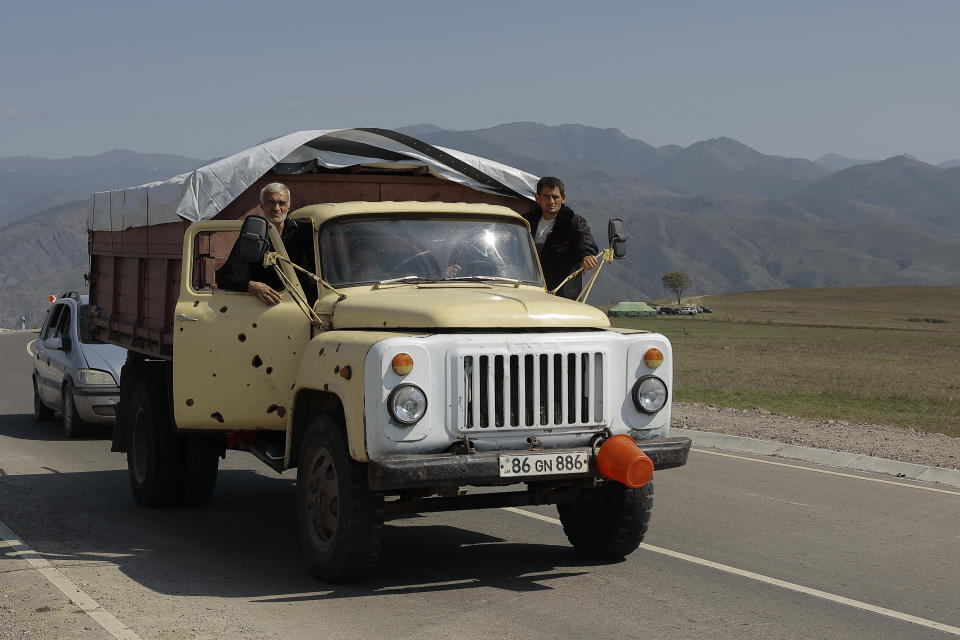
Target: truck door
[235, 360]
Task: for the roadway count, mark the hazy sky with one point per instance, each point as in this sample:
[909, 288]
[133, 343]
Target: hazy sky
[866, 79]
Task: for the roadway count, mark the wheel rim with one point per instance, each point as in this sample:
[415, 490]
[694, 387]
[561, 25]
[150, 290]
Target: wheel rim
[323, 499]
[139, 448]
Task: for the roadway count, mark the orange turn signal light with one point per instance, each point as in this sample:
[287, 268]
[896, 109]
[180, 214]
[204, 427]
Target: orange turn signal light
[653, 358]
[402, 364]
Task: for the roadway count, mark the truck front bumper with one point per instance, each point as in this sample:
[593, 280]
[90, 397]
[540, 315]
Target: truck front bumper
[483, 468]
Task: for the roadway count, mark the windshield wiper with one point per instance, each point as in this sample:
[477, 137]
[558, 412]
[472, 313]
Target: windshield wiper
[513, 281]
[410, 279]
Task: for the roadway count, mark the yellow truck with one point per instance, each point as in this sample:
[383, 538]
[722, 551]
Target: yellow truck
[416, 364]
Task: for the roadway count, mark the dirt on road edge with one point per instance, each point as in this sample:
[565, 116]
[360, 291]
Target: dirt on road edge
[893, 443]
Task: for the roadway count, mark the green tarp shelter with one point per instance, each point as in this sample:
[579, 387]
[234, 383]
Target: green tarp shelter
[632, 310]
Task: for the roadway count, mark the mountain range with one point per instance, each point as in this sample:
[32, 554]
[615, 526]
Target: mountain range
[731, 217]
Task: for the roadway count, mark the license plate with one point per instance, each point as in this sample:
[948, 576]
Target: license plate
[544, 464]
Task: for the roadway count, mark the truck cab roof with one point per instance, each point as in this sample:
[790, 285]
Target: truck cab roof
[321, 213]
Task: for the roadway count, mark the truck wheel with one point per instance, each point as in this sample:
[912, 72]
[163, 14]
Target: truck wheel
[610, 523]
[41, 412]
[73, 424]
[152, 452]
[199, 463]
[339, 519]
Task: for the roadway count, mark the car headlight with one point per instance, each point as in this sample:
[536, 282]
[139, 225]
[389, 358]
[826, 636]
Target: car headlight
[93, 377]
[407, 404]
[649, 394]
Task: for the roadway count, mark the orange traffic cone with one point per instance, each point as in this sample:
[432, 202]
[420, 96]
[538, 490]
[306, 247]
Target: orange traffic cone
[620, 459]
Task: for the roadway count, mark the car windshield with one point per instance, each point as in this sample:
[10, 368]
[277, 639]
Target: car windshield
[83, 325]
[366, 251]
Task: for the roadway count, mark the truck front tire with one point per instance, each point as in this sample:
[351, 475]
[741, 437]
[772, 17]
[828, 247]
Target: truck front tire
[340, 520]
[610, 523]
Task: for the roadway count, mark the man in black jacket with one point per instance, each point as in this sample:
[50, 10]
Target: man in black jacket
[253, 277]
[562, 237]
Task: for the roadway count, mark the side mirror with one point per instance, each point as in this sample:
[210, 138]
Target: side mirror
[252, 242]
[66, 343]
[617, 235]
[54, 344]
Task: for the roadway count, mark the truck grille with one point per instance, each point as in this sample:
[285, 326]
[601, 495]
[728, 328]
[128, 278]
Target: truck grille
[531, 390]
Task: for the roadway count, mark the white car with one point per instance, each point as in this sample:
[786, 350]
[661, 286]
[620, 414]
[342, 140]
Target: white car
[72, 375]
[688, 311]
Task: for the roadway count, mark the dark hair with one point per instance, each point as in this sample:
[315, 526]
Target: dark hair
[549, 182]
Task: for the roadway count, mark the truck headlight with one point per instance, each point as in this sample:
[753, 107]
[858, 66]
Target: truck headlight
[649, 394]
[407, 404]
[91, 377]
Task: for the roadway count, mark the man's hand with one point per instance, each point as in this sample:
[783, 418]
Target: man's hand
[452, 271]
[589, 262]
[264, 293]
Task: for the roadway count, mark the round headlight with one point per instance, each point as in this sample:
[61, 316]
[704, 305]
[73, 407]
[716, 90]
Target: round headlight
[407, 404]
[649, 394]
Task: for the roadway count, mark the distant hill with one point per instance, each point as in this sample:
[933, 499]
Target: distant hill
[926, 196]
[747, 243]
[733, 218]
[721, 166]
[950, 164]
[29, 184]
[43, 254]
[836, 162]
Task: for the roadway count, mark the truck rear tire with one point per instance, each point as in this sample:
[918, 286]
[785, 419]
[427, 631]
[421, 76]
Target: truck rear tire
[610, 523]
[153, 454]
[339, 519]
[200, 460]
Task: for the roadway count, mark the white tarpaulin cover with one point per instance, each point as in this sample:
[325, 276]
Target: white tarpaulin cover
[203, 193]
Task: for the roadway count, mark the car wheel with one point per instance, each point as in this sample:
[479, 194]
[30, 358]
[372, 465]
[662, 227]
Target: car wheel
[340, 520]
[41, 412]
[73, 424]
[610, 523]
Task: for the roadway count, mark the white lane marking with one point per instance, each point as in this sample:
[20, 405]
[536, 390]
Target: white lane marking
[783, 584]
[831, 473]
[30, 353]
[90, 606]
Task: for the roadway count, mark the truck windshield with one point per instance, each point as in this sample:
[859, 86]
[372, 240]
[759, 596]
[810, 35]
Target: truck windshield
[365, 251]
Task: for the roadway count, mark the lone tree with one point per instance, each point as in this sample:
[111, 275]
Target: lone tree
[677, 281]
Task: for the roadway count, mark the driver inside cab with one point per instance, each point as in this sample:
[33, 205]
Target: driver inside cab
[486, 251]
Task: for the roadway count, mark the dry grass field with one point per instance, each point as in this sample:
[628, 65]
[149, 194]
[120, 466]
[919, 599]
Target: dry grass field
[881, 355]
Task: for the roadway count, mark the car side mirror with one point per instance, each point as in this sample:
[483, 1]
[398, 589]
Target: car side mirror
[54, 344]
[66, 343]
[617, 235]
[252, 242]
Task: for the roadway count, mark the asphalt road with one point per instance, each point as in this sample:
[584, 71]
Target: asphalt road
[738, 548]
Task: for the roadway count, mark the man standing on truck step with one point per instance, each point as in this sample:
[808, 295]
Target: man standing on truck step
[262, 282]
[563, 238]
